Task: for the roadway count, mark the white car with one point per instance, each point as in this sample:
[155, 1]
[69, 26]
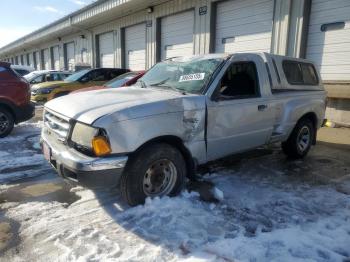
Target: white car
[22, 69]
[41, 76]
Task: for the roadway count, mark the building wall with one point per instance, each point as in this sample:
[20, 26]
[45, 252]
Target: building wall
[202, 31]
[289, 37]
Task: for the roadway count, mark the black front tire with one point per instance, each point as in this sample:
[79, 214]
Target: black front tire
[132, 180]
[7, 122]
[292, 147]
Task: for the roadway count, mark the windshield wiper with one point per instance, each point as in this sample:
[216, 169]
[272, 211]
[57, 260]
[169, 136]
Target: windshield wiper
[161, 84]
[173, 88]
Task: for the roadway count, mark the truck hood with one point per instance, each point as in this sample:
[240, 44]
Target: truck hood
[125, 103]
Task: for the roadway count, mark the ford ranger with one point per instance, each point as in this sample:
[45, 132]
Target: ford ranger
[183, 112]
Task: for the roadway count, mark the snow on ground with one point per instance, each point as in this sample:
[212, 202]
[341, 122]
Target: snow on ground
[20, 154]
[263, 215]
[250, 224]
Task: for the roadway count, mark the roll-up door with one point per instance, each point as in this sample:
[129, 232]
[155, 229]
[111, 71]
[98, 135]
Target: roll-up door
[243, 26]
[70, 56]
[106, 49]
[135, 47]
[56, 57]
[37, 61]
[328, 42]
[31, 60]
[177, 35]
[28, 59]
[46, 60]
[25, 59]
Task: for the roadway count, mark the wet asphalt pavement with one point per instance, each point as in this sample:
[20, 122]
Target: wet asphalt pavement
[35, 181]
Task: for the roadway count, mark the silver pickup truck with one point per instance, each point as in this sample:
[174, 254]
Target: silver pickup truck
[184, 112]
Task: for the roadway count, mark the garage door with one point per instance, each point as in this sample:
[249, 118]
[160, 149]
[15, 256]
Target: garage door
[25, 61]
[37, 61]
[46, 60]
[243, 26]
[329, 38]
[135, 47]
[28, 59]
[56, 57]
[70, 56]
[31, 60]
[177, 35]
[106, 50]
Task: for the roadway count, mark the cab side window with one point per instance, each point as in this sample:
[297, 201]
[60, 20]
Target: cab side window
[38, 80]
[300, 73]
[111, 74]
[97, 75]
[56, 77]
[240, 81]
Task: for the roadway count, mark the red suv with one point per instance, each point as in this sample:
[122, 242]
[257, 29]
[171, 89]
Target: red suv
[15, 105]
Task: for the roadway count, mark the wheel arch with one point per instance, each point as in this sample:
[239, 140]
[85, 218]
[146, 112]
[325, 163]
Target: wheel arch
[9, 107]
[178, 144]
[313, 118]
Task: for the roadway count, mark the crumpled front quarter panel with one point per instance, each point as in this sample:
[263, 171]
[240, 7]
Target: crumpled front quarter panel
[182, 117]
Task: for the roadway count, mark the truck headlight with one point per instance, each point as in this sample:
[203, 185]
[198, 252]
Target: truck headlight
[91, 139]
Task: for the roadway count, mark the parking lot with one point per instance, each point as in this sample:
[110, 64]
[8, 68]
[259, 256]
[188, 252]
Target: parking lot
[259, 206]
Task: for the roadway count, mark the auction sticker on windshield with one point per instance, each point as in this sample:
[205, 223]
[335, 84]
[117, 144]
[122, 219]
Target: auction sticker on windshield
[192, 77]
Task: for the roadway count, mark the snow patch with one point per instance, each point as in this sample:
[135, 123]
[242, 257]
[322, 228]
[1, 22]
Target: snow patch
[218, 194]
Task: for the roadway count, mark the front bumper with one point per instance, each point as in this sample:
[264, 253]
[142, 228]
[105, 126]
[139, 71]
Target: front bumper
[88, 171]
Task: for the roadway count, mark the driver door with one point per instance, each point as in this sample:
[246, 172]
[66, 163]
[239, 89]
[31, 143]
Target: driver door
[240, 116]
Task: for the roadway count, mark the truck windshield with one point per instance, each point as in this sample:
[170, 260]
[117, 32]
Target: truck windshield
[187, 75]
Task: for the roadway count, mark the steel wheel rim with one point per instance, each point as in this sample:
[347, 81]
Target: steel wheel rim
[4, 123]
[303, 139]
[160, 178]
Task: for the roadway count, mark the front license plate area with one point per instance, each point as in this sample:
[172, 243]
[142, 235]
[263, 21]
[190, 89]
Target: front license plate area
[47, 152]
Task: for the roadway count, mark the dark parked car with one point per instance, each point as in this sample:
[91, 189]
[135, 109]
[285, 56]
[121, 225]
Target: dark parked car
[126, 79]
[15, 105]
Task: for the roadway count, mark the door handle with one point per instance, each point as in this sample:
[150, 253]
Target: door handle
[262, 107]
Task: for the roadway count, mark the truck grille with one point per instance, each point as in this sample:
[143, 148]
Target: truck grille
[57, 125]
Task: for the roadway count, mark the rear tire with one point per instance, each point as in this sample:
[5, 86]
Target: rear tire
[155, 171]
[7, 122]
[300, 140]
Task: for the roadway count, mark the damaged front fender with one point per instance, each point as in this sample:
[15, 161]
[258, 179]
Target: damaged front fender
[182, 117]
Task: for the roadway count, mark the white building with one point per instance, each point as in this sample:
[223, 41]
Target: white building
[138, 33]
